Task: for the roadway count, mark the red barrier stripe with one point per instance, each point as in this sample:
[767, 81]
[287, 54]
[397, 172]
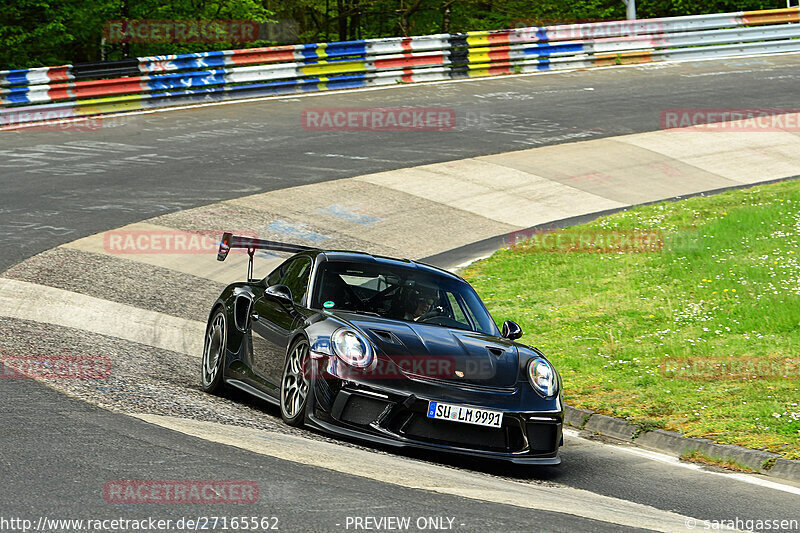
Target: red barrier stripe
[496, 55]
[131, 86]
[495, 70]
[59, 73]
[406, 44]
[60, 92]
[499, 38]
[63, 91]
[273, 56]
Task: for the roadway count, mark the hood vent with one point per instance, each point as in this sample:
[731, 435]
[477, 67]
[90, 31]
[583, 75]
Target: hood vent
[386, 336]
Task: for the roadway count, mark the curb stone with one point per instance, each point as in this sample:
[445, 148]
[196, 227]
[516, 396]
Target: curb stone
[611, 427]
[786, 469]
[577, 417]
[675, 444]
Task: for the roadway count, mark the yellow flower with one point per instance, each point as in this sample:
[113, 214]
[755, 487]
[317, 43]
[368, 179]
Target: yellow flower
[651, 316]
[726, 290]
[715, 292]
[733, 290]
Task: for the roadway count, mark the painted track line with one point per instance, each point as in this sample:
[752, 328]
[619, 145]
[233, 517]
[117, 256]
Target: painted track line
[752, 479]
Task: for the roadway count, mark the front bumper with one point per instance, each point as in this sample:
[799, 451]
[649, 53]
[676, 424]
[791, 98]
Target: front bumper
[399, 419]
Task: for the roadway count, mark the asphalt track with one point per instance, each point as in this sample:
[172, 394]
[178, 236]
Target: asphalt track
[59, 186]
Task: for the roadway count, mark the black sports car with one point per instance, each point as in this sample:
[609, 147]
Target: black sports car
[388, 350]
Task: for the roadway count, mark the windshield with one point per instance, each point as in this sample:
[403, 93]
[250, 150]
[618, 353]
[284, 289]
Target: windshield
[400, 293]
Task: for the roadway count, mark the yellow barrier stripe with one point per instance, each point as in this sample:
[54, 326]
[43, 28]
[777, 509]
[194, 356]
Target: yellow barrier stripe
[323, 68]
[477, 38]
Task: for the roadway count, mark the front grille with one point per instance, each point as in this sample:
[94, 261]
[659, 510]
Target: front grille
[505, 439]
[362, 410]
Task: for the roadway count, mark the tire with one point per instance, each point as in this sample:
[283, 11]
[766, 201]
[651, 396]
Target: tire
[213, 365]
[295, 384]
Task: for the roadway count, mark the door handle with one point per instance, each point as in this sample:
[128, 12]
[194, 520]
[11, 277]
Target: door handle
[254, 316]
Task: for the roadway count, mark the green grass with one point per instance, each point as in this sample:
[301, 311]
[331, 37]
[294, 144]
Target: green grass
[697, 457]
[672, 338]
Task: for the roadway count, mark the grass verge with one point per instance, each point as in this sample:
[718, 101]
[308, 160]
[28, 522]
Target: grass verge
[680, 315]
[701, 458]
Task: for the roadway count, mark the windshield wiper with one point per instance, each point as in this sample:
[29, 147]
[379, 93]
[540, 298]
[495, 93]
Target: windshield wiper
[371, 313]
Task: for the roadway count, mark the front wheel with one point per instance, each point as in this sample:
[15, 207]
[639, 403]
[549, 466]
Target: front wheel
[295, 385]
[214, 353]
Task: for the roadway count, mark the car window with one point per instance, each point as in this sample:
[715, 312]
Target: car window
[400, 293]
[275, 276]
[296, 276]
[456, 310]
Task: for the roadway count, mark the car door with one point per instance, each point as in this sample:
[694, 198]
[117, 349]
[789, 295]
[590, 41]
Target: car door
[276, 320]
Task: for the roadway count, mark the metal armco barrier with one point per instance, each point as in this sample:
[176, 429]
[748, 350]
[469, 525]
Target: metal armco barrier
[47, 93]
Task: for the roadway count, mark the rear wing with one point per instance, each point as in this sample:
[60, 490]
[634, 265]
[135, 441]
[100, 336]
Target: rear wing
[251, 244]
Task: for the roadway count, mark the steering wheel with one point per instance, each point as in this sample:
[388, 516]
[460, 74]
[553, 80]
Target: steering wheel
[435, 312]
[444, 320]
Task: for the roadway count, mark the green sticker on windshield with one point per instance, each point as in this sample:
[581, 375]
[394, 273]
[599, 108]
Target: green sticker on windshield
[328, 304]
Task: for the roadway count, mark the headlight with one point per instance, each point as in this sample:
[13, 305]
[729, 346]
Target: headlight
[351, 348]
[542, 376]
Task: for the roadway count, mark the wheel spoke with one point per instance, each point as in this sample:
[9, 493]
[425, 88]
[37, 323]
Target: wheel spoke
[295, 384]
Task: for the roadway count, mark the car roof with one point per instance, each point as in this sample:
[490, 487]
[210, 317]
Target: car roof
[363, 257]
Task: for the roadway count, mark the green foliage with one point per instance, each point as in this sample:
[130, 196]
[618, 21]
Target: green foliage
[54, 32]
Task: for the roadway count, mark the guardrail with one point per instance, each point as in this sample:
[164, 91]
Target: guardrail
[37, 94]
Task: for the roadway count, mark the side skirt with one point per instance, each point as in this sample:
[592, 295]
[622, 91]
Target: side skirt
[241, 385]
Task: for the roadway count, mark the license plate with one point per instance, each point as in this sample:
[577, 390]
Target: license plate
[466, 415]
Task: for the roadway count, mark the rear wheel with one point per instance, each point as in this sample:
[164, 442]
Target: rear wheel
[214, 353]
[295, 384]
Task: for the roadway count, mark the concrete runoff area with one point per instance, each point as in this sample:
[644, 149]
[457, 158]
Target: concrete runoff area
[408, 473]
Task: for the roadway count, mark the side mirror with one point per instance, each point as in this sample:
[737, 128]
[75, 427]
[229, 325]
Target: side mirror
[281, 292]
[511, 330]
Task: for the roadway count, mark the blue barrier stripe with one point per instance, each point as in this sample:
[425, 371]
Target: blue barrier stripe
[548, 49]
[17, 99]
[17, 77]
[169, 82]
[173, 57]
